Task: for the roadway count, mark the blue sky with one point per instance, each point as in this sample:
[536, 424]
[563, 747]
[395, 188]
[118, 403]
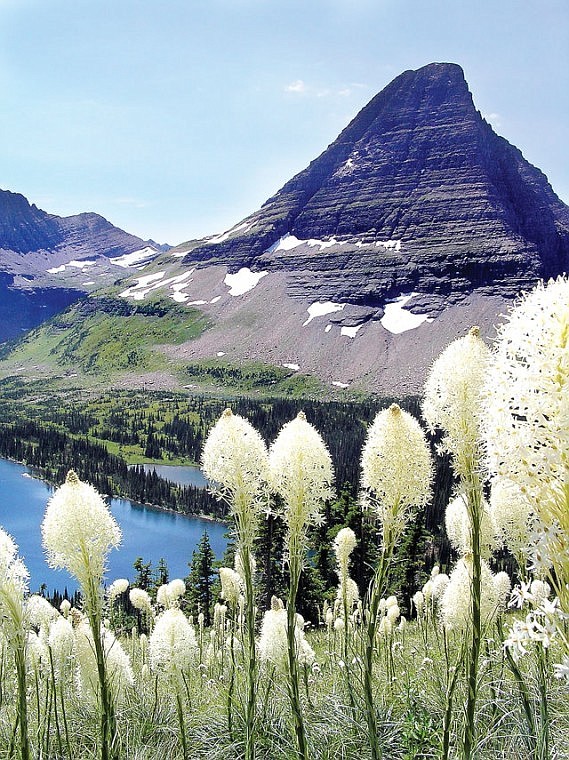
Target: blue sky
[175, 119]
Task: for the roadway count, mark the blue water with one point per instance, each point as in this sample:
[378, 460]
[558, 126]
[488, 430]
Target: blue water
[147, 533]
[183, 475]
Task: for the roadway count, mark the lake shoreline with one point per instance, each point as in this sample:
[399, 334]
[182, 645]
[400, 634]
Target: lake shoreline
[148, 530]
[35, 473]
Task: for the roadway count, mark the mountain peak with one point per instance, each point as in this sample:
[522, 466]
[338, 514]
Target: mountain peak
[417, 193]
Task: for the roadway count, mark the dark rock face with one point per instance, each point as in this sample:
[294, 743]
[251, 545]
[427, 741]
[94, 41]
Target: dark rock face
[21, 310]
[31, 243]
[418, 193]
[26, 229]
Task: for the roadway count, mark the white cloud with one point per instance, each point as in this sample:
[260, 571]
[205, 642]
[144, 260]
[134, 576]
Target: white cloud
[493, 118]
[300, 87]
[296, 86]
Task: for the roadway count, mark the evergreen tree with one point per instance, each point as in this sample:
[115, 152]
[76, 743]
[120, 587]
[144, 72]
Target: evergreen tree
[201, 580]
[162, 574]
[143, 578]
[269, 557]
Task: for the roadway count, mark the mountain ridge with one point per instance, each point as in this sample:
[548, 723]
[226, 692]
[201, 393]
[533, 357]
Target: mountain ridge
[418, 155]
[37, 248]
[417, 222]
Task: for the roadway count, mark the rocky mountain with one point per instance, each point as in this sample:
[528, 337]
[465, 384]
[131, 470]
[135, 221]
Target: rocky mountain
[417, 194]
[44, 260]
[417, 222]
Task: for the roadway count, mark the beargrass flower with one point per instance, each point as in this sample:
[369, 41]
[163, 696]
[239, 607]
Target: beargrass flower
[119, 673]
[230, 585]
[168, 594]
[234, 460]
[396, 480]
[117, 587]
[452, 397]
[525, 417]
[172, 646]
[37, 655]
[13, 625]
[348, 593]
[13, 587]
[440, 583]
[344, 544]
[455, 605]
[61, 641]
[418, 600]
[78, 531]
[40, 613]
[393, 612]
[273, 643]
[396, 470]
[301, 474]
[140, 600]
[348, 589]
[459, 528]
[513, 516]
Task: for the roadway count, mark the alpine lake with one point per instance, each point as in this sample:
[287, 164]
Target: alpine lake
[147, 532]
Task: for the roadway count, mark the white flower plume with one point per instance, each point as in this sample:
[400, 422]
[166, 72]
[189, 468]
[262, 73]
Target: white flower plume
[459, 530]
[526, 398]
[525, 416]
[78, 530]
[301, 472]
[396, 468]
[172, 645]
[452, 397]
[234, 459]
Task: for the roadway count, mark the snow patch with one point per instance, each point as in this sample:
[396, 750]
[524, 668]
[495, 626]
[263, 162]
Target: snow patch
[223, 237]
[338, 384]
[78, 264]
[388, 245]
[327, 328]
[150, 282]
[294, 367]
[179, 297]
[216, 299]
[197, 303]
[397, 320]
[89, 282]
[288, 242]
[142, 286]
[243, 281]
[179, 254]
[221, 353]
[320, 308]
[350, 332]
[134, 258]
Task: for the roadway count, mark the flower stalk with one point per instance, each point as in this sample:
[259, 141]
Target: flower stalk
[235, 459]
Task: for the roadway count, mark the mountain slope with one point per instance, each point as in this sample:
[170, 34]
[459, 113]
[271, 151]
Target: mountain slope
[417, 194]
[48, 262]
[416, 223]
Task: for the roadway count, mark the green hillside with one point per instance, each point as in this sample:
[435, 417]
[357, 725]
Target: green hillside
[108, 335]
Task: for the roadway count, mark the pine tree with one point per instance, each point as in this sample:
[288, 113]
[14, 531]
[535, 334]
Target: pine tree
[143, 578]
[161, 574]
[200, 581]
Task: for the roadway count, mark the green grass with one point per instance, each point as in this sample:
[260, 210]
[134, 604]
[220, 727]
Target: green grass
[253, 378]
[409, 708]
[107, 336]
